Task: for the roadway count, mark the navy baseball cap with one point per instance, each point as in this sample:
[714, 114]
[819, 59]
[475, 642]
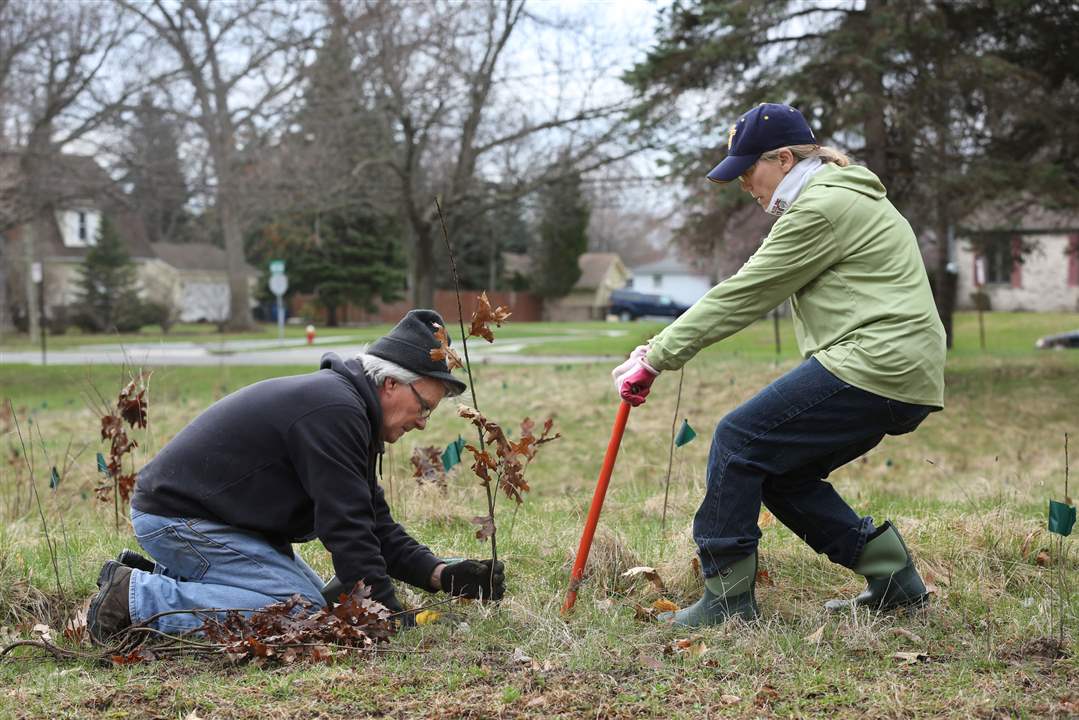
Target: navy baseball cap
[766, 127]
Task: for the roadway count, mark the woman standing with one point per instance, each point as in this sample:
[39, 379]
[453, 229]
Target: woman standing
[874, 345]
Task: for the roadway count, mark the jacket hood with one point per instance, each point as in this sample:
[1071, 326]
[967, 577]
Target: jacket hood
[853, 177]
[352, 370]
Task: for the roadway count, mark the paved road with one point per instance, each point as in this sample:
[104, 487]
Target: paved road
[273, 352]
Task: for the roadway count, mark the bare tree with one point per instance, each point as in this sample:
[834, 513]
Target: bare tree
[53, 92]
[234, 66]
[443, 75]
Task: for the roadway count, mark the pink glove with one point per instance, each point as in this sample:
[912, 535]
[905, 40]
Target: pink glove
[639, 352]
[635, 383]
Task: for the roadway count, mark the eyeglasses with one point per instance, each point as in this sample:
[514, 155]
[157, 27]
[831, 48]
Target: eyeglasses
[425, 409]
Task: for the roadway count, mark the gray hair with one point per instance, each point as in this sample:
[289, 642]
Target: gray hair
[379, 369]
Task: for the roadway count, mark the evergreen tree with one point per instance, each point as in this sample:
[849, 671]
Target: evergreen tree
[340, 258]
[158, 190]
[107, 286]
[563, 237]
[480, 235]
[356, 264]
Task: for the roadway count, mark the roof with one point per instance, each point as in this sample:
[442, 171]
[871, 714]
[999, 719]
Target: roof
[1023, 214]
[594, 268]
[67, 179]
[195, 256]
[75, 182]
[519, 263]
[668, 266]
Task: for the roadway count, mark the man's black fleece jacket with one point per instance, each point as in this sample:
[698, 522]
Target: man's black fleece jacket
[293, 458]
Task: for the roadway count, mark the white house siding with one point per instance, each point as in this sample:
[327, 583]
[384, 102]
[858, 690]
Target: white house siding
[1044, 282]
[160, 282]
[204, 298]
[683, 288]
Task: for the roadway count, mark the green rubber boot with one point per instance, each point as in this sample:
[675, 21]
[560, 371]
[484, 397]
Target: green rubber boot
[893, 582]
[726, 595]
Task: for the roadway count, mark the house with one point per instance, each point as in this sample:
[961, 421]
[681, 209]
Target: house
[1024, 261]
[680, 281]
[588, 299]
[189, 278]
[80, 193]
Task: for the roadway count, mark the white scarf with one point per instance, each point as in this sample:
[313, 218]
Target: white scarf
[790, 187]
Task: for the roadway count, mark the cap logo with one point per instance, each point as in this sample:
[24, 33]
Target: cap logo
[730, 136]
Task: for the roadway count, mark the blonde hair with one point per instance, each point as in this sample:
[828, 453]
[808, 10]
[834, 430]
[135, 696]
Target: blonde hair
[801, 152]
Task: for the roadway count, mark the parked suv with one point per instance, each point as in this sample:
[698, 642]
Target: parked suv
[630, 305]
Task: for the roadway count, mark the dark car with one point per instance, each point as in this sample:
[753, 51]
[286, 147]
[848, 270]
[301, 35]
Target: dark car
[630, 305]
[1059, 342]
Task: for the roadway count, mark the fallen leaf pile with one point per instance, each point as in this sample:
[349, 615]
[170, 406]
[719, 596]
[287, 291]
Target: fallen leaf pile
[287, 631]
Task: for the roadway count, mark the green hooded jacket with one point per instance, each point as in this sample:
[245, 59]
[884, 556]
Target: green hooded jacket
[862, 305]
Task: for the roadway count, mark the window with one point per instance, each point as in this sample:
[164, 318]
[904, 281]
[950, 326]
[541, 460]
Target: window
[78, 227]
[998, 255]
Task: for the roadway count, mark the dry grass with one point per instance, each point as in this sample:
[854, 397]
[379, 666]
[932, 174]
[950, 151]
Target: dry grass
[968, 491]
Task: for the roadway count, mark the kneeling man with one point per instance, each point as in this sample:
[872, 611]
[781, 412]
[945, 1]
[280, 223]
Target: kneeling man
[286, 460]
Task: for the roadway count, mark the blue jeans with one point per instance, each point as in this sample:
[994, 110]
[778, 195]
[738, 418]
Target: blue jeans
[778, 448]
[205, 564]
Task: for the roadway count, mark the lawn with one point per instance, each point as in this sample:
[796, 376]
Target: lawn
[1006, 333]
[968, 490]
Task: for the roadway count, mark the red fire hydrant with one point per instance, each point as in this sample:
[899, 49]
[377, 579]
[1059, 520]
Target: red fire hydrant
[310, 331]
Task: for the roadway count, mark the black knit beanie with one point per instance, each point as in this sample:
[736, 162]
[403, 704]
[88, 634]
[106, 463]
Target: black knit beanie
[410, 343]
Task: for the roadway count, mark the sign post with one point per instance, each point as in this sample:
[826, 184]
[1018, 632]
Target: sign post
[279, 286]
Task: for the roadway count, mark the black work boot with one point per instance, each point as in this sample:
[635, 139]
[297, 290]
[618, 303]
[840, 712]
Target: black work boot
[108, 613]
[726, 595]
[893, 582]
[135, 561]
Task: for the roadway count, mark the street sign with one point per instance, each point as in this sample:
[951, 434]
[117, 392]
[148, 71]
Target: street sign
[278, 284]
[277, 267]
[35, 272]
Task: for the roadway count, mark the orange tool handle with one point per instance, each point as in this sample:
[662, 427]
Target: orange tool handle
[597, 505]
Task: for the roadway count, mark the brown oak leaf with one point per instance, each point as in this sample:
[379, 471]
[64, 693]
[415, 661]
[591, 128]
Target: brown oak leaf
[483, 314]
[444, 351]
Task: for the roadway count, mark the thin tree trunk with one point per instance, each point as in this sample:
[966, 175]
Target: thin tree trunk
[423, 268]
[31, 291]
[239, 294]
[875, 129]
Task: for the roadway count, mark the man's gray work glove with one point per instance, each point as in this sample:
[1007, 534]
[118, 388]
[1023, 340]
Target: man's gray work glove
[472, 579]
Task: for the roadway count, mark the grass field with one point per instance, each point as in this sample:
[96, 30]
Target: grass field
[968, 490]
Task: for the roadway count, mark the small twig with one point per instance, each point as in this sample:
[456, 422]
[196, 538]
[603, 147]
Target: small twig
[41, 512]
[56, 652]
[1060, 545]
[670, 456]
[513, 521]
[471, 383]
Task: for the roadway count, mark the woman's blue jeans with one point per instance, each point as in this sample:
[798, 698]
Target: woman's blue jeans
[205, 564]
[778, 448]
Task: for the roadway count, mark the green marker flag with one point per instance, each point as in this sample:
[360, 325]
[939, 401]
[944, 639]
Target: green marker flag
[1061, 518]
[685, 434]
[101, 466]
[452, 454]
[54, 479]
